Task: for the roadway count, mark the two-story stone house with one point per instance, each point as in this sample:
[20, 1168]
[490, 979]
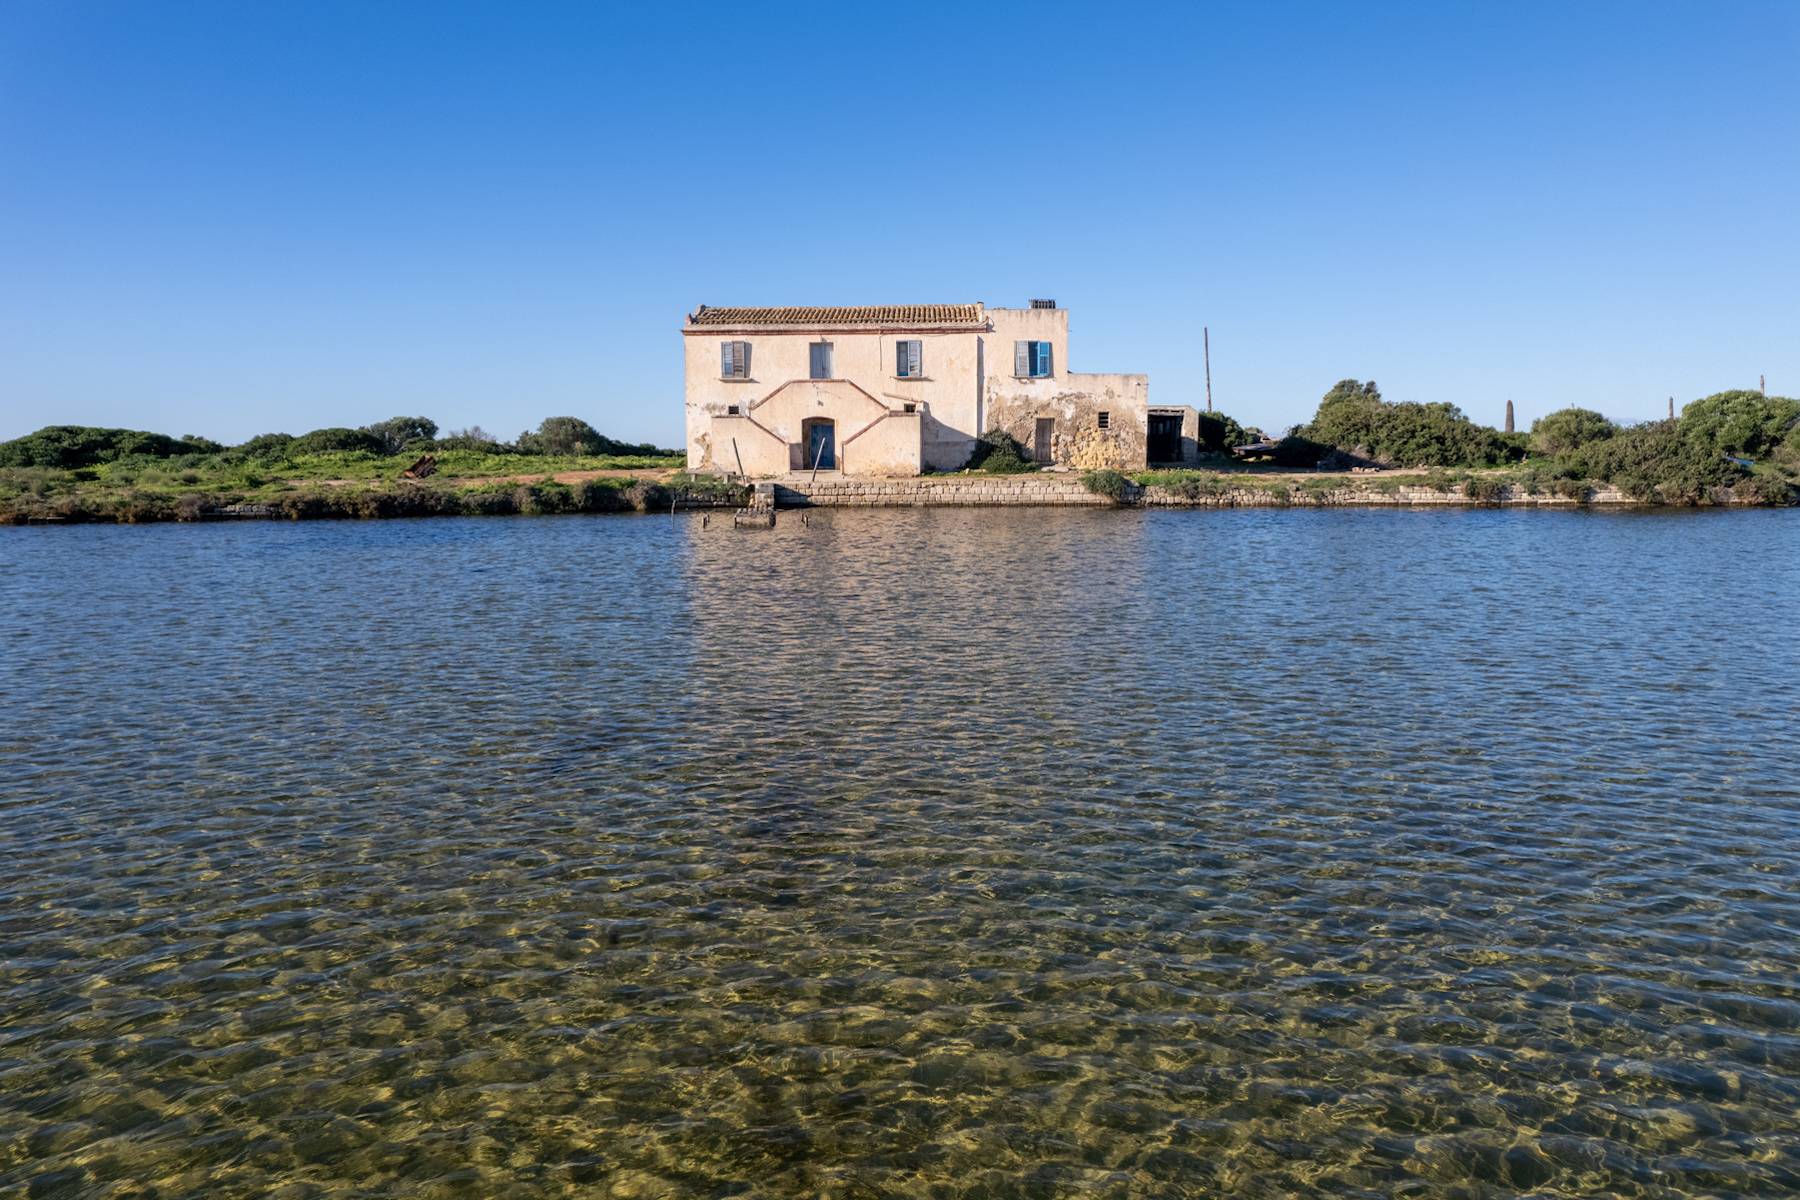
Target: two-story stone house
[894, 390]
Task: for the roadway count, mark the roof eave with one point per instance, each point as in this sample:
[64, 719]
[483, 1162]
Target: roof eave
[977, 327]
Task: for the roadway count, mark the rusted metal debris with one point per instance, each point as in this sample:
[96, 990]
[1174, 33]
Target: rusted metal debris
[426, 465]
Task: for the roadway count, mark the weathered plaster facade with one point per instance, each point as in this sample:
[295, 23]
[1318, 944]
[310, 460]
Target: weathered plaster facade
[757, 409]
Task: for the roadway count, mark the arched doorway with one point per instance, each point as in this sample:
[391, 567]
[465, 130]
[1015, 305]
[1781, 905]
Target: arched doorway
[819, 436]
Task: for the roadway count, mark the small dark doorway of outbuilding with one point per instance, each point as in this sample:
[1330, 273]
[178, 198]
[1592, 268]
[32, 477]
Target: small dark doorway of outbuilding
[1041, 439]
[819, 436]
[1164, 442]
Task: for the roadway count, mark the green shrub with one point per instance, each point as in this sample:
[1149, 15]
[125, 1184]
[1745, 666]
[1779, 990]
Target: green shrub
[573, 436]
[544, 497]
[1353, 417]
[999, 453]
[1766, 489]
[322, 441]
[601, 495]
[1572, 489]
[265, 445]
[1742, 423]
[1218, 433]
[84, 446]
[1654, 461]
[1108, 483]
[1484, 489]
[1569, 429]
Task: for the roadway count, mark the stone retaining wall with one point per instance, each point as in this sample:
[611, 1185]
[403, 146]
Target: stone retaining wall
[951, 491]
[1509, 496]
[1067, 491]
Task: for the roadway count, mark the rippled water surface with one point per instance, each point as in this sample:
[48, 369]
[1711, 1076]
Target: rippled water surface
[929, 853]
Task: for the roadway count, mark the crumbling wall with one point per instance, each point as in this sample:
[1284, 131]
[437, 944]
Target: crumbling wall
[1075, 402]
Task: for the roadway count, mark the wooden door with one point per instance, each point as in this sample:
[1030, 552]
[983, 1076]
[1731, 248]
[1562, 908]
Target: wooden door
[821, 444]
[1042, 439]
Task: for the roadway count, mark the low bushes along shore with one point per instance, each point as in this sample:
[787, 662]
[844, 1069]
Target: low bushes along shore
[304, 500]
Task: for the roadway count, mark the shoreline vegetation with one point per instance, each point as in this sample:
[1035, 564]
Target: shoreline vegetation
[1738, 448]
[68, 474]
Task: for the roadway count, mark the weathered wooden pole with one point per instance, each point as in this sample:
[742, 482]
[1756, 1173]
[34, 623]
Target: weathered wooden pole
[1206, 350]
[1509, 417]
[1671, 408]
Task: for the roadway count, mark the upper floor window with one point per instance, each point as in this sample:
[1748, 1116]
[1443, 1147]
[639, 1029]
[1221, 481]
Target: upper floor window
[1031, 360]
[734, 360]
[820, 360]
[908, 359]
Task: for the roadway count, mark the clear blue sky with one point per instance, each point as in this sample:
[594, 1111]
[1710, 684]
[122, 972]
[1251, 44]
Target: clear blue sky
[230, 218]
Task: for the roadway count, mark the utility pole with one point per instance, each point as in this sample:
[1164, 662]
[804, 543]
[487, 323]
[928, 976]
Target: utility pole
[1671, 408]
[1206, 344]
[1509, 421]
[1762, 384]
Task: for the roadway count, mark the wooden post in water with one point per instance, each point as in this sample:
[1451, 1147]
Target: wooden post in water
[1206, 350]
[1509, 417]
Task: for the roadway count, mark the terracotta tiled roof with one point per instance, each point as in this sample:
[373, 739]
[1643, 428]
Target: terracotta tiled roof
[910, 316]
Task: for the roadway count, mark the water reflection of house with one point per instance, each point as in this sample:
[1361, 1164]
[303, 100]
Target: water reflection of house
[893, 390]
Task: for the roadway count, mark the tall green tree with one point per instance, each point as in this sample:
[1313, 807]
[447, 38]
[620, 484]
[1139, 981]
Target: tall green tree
[1742, 423]
[1353, 417]
[398, 434]
[1569, 429]
[574, 436]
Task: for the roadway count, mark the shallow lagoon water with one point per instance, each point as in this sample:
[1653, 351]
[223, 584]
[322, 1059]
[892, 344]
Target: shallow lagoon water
[923, 853]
